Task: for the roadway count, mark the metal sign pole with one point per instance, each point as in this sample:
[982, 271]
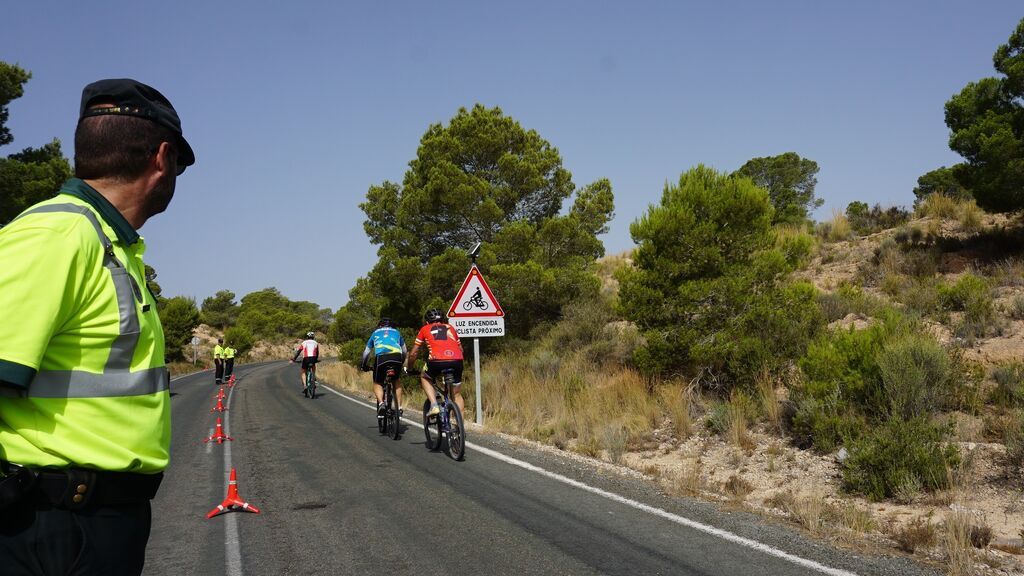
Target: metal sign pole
[476, 371]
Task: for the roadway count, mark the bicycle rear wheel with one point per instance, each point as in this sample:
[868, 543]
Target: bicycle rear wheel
[394, 422]
[431, 428]
[311, 385]
[456, 433]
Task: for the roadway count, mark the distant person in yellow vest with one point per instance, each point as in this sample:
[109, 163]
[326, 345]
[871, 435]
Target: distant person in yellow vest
[85, 421]
[229, 362]
[218, 361]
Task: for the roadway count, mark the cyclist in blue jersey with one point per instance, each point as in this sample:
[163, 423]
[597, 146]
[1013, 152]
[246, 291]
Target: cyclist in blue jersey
[388, 349]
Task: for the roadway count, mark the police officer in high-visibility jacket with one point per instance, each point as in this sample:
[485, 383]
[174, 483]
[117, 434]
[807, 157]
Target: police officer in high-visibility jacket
[218, 361]
[229, 362]
[84, 406]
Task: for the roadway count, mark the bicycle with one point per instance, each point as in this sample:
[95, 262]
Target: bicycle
[390, 421]
[310, 389]
[448, 423]
[475, 302]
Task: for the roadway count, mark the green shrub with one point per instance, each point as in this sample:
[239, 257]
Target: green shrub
[1009, 389]
[351, 352]
[883, 462]
[967, 291]
[847, 299]
[854, 379]
[921, 296]
[544, 363]
[818, 424]
[916, 374]
[582, 321]
[1016, 308]
[240, 339]
[718, 418]
[866, 220]
[973, 296]
[1013, 438]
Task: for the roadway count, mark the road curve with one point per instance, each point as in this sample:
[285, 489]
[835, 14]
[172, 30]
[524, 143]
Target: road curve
[338, 498]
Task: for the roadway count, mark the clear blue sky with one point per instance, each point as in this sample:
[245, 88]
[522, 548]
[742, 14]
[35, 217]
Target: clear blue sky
[295, 108]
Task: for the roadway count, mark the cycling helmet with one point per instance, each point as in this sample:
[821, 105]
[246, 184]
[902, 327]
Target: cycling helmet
[433, 315]
[385, 322]
[310, 334]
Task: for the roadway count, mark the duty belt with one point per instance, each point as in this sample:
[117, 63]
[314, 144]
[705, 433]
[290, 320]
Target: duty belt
[80, 488]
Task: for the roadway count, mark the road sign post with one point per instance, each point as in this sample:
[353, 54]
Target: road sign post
[475, 313]
[195, 349]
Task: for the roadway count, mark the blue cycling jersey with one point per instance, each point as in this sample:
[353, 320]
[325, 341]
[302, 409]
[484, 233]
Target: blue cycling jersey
[386, 341]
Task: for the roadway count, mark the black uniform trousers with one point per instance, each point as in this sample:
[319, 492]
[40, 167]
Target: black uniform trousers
[219, 370]
[229, 367]
[37, 539]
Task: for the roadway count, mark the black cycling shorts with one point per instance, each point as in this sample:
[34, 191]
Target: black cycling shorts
[435, 367]
[385, 361]
[307, 362]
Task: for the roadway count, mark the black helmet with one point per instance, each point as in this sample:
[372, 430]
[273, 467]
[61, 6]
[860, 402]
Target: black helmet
[433, 315]
[310, 335]
[385, 322]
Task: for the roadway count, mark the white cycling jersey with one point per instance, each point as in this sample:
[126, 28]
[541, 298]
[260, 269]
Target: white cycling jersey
[309, 349]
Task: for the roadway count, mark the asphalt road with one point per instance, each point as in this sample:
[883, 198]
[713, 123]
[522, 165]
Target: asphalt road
[338, 498]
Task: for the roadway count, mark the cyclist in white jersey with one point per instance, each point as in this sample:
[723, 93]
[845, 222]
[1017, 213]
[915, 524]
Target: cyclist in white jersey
[310, 352]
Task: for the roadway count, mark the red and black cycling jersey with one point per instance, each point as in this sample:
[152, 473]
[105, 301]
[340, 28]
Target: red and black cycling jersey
[442, 341]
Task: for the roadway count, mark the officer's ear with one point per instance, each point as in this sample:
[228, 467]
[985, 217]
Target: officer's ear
[167, 159]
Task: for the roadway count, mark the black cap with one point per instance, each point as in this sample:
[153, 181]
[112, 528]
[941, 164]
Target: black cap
[132, 98]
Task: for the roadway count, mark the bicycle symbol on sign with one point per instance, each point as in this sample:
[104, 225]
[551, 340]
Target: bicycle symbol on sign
[475, 301]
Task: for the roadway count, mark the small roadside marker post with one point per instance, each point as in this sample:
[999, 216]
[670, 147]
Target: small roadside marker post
[475, 313]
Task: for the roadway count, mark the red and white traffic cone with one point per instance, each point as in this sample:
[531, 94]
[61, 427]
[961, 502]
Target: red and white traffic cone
[219, 434]
[220, 395]
[220, 406]
[231, 381]
[233, 501]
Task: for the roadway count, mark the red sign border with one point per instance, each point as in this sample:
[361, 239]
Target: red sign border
[497, 313]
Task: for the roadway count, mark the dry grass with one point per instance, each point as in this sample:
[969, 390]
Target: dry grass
[957, 541]
[599, 409]
[919, 533]
[341, 375]
[938, 206]
[806, 510]
[678, 402]
[970, 216]
[855, 518]
[737, 433]
[769, 400]
[688, 482]
[737, 488]
[839, 227]
[182, 368]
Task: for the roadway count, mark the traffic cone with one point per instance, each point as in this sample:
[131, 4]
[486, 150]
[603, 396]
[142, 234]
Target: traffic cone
[232, 502]
[219, 434]
[231, 381]
[220, 395]
[220, 406]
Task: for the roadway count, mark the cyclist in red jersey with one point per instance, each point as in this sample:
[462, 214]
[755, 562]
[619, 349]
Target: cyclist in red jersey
[444, 352]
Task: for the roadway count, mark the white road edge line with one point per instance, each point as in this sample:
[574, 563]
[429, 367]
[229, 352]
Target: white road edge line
[232, 549]
[720, 533]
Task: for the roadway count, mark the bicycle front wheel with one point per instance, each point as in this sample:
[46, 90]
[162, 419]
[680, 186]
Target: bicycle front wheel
[431, 428]
[456, 433]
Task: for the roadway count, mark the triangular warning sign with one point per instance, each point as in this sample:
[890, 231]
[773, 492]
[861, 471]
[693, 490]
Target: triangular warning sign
[475, 299]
